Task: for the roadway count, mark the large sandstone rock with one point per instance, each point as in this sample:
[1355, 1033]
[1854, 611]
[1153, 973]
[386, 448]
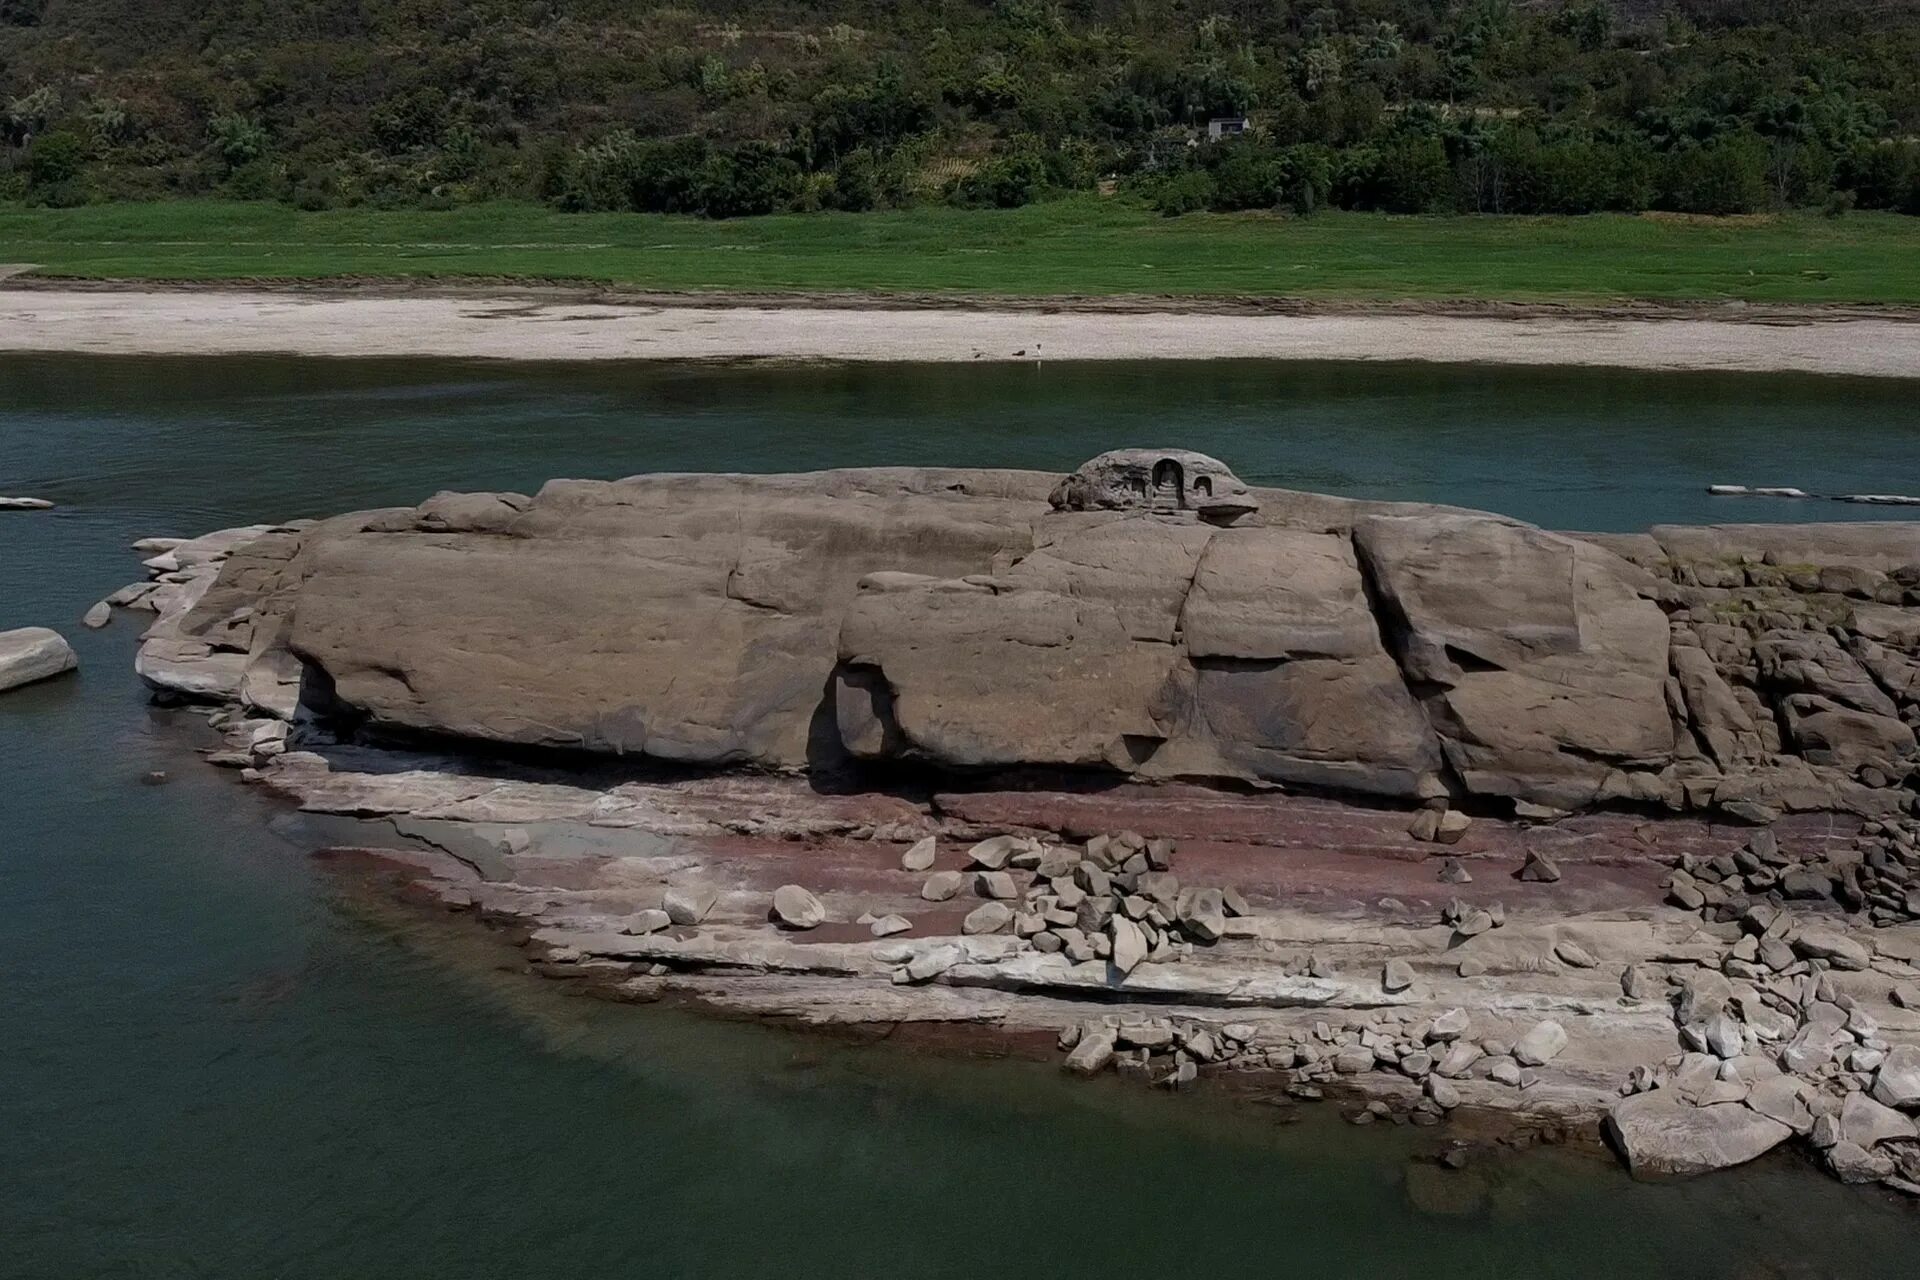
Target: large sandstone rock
[1290, 679]
[1149, 645]
[33, 653]
[964, 620]
[1662, 1135]
[688, 618]
[1060, 660]
[1541, 667]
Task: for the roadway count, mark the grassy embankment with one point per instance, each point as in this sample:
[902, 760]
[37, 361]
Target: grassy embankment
[1077, 246]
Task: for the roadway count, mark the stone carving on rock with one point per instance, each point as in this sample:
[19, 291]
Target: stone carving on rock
[1163, 480]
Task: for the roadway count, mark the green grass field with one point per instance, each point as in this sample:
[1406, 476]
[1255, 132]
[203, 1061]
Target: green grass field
[1078, 246]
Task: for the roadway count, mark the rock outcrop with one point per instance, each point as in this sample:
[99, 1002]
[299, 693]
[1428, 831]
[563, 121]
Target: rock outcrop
[1150, 629]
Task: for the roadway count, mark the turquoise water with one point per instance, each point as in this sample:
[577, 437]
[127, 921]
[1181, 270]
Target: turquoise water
[218, 1061]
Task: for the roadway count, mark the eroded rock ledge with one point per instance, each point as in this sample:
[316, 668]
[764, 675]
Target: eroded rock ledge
[1684, 904]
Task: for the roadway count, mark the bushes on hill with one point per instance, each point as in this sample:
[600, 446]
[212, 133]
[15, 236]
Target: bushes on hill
[742, 106]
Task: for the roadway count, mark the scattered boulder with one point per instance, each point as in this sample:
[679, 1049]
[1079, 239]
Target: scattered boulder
[652, 920]
[1203, 914]
[1541, 1044]
[920, 856]
[1852, 1163]
[942, 885]
[887, 926]
[1453, 825]
[988, 917]
[1539, 868]
[1396, 975]
[1870, 1123]
[1836, 948]
[1782, 1098]
[1093, 1052]
[1897, 1082]
[98, 616]
[994, 854]
[689, 906]
[995, 884]
[1573, 954]
[1129, 945]
[930, 963]
[796, 908]
[33, 653]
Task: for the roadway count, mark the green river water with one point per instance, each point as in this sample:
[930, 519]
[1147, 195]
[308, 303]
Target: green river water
[215, 1061]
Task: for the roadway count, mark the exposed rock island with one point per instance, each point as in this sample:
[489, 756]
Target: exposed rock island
[1423, 803]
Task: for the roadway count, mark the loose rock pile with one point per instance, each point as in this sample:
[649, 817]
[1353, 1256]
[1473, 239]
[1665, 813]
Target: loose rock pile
[1879, 874]
[1431, 1052]
[1116, 899]
[1795, 685]
[1772, 1048]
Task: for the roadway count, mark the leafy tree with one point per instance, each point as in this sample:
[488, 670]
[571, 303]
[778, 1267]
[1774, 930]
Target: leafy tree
[238, 140]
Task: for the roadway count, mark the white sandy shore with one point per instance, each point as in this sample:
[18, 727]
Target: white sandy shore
[213, 322]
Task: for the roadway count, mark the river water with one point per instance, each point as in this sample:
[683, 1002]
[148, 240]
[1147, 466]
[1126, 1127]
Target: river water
[215, 1061]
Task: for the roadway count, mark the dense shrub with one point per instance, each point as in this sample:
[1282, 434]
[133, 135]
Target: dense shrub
[1005, 182]
[1727, 175]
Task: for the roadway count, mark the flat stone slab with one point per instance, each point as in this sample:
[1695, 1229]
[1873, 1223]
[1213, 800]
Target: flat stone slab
[31, 654]
[1662, 1135]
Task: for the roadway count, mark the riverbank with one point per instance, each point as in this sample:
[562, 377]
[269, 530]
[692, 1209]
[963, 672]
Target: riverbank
[547, 323]
[1081, 246]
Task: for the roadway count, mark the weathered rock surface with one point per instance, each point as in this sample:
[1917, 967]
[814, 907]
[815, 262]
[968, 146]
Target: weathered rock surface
[1544, 670]
[29, 654]
[1660, 1135]
[982, 619]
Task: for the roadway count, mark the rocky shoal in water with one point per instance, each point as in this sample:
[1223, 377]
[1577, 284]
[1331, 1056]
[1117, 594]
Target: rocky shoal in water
[1126, 706]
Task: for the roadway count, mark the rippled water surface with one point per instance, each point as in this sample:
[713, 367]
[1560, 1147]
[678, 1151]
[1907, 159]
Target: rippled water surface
[215, 1061]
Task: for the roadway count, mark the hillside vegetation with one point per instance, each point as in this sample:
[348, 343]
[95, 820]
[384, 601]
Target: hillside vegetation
[742, 107]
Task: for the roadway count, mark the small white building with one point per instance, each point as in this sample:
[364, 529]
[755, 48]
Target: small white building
[1227, 127]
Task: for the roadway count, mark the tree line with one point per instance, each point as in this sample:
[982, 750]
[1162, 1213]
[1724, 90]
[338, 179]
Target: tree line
[745, 107]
